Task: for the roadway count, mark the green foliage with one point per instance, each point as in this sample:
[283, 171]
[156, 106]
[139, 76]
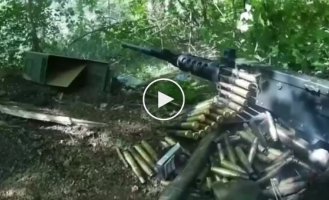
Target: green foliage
[288, 33]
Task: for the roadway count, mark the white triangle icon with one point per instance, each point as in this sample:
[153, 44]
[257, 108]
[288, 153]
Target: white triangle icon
[163, 99]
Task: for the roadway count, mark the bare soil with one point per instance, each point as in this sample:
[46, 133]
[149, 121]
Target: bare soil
[49, 161]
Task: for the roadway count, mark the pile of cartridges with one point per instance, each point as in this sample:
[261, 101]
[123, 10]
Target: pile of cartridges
[281, 168]
[167, 142]
[141, 158]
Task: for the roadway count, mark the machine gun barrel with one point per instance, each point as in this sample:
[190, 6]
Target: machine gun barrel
[163, 54]
[204, 68]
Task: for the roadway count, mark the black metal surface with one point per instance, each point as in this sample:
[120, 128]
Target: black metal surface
[299, 108]
[201, 67]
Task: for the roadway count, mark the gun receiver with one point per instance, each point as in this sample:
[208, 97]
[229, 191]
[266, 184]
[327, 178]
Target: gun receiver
[297, 101]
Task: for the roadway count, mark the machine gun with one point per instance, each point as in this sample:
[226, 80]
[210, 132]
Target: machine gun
[281, 100]
[297, 101]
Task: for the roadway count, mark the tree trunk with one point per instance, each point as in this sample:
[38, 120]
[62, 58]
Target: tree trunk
[33, 31]
[204, 11]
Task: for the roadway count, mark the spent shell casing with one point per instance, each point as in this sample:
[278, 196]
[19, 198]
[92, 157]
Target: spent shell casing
[272, 128]
[164, 144]
[228, 173]
[263, 158]
[170, 140]
[144, 155]
[259, 134]
[150, 150]
[184, 133]
[272, 173]
[253, 150]
[274, 152]
[246, 136]
[134, 166]
[234, 138]
[209, 182]
[199, 118]
[121, 157]
[244, 160]
[283, 156]
[142, 163]
[272, 156]
[229, 149]
[231, 166]
[220, 151]
[217, 178]
[271, 167]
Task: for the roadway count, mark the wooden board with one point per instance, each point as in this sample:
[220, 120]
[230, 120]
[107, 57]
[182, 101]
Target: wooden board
[35, 114]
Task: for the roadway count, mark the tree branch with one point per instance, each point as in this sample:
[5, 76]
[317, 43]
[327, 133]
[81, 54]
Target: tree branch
[33, 32]
[100, 29]
[204, 11]
[103, 28]
[188, 10]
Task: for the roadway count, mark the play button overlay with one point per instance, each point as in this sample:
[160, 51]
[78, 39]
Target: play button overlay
[163, 99]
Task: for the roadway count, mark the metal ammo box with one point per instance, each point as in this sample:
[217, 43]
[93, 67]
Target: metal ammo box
[62, 71]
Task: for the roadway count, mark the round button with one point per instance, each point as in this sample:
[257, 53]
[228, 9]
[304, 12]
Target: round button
[169, 99]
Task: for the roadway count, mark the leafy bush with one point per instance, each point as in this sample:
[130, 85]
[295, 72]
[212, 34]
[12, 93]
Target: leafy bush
[290, 33]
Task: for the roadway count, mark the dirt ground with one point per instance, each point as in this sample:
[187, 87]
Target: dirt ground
[49, 161]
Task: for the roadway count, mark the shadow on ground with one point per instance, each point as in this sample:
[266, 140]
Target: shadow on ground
[49, 161]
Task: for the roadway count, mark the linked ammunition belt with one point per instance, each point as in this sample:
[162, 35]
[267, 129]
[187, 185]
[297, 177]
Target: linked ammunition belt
[235, 95]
